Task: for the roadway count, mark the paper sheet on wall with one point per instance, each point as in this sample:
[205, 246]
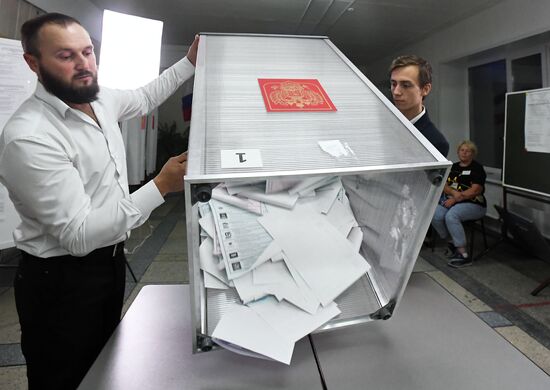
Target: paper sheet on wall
[3, 200]
[17, 83]
[537, 121]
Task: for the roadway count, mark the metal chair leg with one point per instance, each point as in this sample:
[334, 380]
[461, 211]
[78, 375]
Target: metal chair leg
[472, 226]
[131, 271]
[540, 287]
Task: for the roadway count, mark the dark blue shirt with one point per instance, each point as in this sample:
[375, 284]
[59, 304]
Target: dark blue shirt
[428, 130]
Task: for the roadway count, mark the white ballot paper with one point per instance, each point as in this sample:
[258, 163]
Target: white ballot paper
[208, 226]
[241, 351]
[356, 238]
[308, 301]
[280, 184]
[209, 262]
[268, 328]
[271, 272]
[271, 252]
[280, 282]
[340, 214]
[326, 260]
[212, 282]
[327, 194]
[286, 320]
[309, 184]
[248, 291]
[242, 238]
[233, 188]
[220, 193]
[242, 326]
[281, 199]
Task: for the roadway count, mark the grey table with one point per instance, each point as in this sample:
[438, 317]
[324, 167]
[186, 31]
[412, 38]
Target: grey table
[432, 342]
[151, 349]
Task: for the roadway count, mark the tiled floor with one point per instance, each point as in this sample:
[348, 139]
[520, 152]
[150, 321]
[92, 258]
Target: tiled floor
[496, 288]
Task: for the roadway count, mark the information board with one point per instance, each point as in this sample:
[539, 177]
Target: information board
[526, 160]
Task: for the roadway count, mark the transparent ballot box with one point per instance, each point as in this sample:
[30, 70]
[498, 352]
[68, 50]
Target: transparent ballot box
[306, 189]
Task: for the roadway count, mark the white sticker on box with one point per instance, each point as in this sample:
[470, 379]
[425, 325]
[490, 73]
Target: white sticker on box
[241, 158]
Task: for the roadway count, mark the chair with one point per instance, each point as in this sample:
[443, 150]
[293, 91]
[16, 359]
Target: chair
[468, 226]
[472, 226]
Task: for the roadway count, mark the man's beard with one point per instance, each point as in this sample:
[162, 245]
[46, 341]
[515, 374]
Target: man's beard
[67, 92]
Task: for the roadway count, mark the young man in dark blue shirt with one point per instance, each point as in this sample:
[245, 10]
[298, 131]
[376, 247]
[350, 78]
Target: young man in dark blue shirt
[411, 82]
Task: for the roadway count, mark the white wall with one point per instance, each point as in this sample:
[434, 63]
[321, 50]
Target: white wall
[170, 111]
[87, 13]
[448, 51]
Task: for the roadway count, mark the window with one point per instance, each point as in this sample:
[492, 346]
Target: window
[527, 73]
[487, 86]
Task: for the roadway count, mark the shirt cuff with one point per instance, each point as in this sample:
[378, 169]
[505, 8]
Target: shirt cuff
[147, 198]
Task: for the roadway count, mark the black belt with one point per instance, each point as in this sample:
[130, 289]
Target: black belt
[104, 253]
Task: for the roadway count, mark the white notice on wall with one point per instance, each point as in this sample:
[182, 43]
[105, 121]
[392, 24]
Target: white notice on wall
[3, 200]
[537, 121]
[241, 158]
[17, 81]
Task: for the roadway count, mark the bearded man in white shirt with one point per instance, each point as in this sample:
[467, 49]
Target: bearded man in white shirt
[63, 161]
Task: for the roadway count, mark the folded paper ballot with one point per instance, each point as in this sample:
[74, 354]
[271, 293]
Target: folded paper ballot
[210, 263]
[322, 255]
[220, 193]
[292, 323]
[281, 199]
[286, 263]
[242, 239]
[243, 327]
[212, 282]
[269, 328]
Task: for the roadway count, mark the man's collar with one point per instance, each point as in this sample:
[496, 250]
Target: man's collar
[416, 118]
[50, 99]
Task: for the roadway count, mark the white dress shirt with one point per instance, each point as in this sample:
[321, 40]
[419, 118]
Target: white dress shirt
[416, 118]
[67, 176]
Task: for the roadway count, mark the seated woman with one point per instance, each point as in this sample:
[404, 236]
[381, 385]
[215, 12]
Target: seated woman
[462, 200]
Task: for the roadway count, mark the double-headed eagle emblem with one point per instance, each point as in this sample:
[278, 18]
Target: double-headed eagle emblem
[291, 93]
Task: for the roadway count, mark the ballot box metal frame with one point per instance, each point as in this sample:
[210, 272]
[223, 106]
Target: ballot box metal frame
[368, 299]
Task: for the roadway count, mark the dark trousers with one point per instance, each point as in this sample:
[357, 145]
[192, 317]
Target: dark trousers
[68, 307]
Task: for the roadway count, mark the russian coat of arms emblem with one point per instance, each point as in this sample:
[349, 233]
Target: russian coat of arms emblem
[295, 95]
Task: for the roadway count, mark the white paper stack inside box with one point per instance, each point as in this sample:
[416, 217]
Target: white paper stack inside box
[290, 119]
